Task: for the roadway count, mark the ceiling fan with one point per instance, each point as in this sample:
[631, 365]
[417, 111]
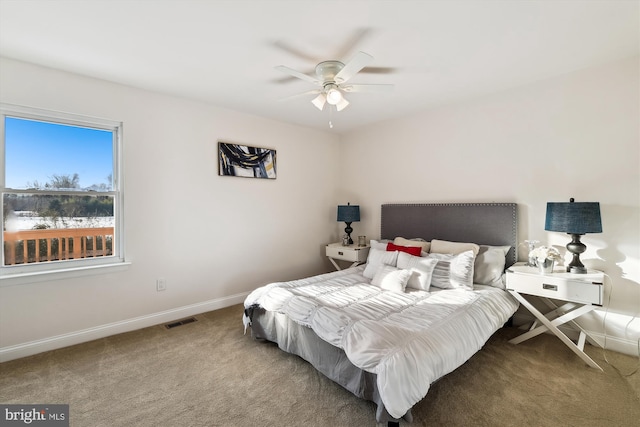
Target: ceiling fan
[332, 77]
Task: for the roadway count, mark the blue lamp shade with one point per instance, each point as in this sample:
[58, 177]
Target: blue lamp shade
[573, 217]
[348, 213]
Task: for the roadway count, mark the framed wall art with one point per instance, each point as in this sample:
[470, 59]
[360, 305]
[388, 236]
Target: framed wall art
[246, 161]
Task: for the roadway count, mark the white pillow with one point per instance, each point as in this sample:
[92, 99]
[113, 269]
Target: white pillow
[376, 258]
[379, 244]
[401, 241]
[446, 247]
[453, 271]
[391, 278]
[421, 270]
[489, 265]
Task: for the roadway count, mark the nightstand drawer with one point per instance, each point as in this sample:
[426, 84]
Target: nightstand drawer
[556, 288]
[347, 253]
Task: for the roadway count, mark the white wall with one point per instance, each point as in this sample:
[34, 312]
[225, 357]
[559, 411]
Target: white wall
[216, 238]
[212, 238]
[571, 136]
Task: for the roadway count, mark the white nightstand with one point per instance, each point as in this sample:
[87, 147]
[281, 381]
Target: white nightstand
[581, 292]
[354, 253]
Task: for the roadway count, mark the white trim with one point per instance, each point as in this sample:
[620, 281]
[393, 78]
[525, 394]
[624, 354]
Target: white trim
[53, 116]
[61, 273]
[619, 344]
[26, 273]
[85, 335]
[614, 343]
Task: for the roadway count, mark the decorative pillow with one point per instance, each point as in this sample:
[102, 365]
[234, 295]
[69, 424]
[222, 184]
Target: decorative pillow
[446, 247]
[376, 258]
[489, 265]
[401, 241]
[453, 271]
[379, 244]
[391, 278]
[421, 270]
[412, 250]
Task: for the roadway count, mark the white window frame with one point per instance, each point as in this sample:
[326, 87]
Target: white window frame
[53, 270]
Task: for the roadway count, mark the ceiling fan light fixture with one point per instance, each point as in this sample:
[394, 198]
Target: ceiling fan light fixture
[319, 101]
[331, 79]
[334, 96]
[342, 104]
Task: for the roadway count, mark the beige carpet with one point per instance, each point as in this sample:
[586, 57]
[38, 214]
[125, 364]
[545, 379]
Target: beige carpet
[208, 373]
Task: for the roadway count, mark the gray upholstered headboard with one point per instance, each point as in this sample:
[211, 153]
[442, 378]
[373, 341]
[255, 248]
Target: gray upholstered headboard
[493, 224]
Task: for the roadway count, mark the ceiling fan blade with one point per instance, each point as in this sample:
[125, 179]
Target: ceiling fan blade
[289, 78]
[298, 74]
[356, 38]
[367, 88]
[378, 70]
[294, 51]
[351, 68]
[298, 95]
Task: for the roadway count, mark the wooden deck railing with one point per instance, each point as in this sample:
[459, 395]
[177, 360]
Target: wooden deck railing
[21, 247]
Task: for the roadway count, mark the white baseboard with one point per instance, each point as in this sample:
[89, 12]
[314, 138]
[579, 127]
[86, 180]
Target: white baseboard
[621, 345]
[613, 343]
[102, 331]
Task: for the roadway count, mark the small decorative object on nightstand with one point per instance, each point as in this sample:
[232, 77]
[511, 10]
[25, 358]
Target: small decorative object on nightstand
[544, 257]
[353, 253]
[531, 245]
[581, 294]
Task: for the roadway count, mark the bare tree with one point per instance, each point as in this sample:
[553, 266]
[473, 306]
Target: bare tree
[64, 181]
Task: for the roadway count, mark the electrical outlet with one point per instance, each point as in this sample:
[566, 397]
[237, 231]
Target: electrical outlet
[161, 285]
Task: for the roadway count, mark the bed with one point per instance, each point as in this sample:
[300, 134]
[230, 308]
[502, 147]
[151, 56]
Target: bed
[388, 329]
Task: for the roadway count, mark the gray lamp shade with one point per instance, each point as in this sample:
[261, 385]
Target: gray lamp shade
[348, 213]
[573, 217]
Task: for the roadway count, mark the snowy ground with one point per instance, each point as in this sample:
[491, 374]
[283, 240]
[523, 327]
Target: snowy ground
[27, 222]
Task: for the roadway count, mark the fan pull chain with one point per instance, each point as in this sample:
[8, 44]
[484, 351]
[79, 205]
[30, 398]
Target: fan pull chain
[331, 107]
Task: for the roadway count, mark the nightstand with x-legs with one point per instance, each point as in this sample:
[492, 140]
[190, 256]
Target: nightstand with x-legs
[578, 293]
[352, 253]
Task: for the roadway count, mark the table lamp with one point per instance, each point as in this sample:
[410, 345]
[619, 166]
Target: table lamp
[576, 219]
[348, 214]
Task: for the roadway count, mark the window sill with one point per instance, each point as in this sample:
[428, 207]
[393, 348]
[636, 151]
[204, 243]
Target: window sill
[65, 273]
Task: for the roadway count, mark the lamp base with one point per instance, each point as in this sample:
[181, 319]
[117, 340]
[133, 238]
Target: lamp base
[577, 270]
[576, 247]
[348, 230]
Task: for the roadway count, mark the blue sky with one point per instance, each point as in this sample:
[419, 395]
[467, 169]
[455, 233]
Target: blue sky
[35, 151]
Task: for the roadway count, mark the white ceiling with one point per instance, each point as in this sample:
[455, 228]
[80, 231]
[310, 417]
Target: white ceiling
[224, 52]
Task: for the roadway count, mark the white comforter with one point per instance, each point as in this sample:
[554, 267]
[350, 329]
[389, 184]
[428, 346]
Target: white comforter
[408, 339]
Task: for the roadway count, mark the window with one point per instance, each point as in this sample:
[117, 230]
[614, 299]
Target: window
[61, 192]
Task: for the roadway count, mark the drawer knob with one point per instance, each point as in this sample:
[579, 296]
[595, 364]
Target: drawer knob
[549, 287]
[340, 253]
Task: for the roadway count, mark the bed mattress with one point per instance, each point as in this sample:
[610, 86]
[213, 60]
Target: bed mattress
[405, 340]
